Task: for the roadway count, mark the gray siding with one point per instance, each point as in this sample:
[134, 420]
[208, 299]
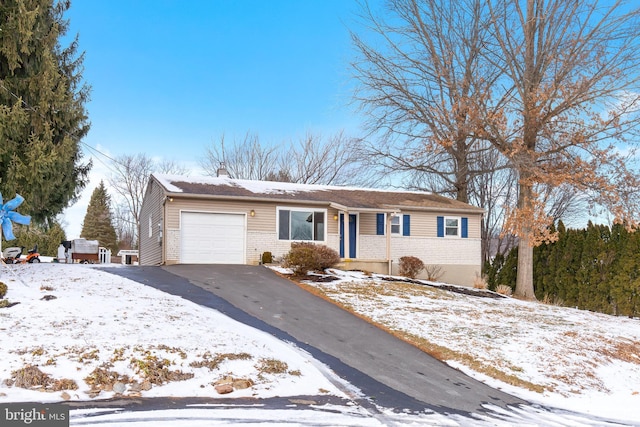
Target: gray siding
[151, 246]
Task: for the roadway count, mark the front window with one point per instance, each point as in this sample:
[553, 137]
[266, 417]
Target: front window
[452, 227]
[396, 225]
[301, 224]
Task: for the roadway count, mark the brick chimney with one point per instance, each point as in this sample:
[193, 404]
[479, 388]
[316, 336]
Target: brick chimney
[222, 170]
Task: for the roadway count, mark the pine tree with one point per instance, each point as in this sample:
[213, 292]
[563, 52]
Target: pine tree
[624, 292]
[98, 222]
[47, 240]
[42, 113]
[569, 263]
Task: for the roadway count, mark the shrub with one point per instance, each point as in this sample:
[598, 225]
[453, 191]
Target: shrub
[327, 257]
[504, 290]
[267, 257]
[410, 266]
[480, 282]
[304, 257]
[434, 272]
[3, 289]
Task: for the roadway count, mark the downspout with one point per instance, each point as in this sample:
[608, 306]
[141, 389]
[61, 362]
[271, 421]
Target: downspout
[388, 235]
[347, 243]
[164, 232]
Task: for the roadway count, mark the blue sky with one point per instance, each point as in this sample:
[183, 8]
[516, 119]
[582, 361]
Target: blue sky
[170, 77]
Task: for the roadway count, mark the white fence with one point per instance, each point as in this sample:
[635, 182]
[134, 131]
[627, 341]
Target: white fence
[104, 255]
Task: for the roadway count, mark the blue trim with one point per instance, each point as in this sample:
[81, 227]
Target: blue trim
[440, 220]
[406, 225]
[380, 224]
[465, 228]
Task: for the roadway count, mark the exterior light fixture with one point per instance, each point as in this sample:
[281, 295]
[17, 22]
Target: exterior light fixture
[252, 213]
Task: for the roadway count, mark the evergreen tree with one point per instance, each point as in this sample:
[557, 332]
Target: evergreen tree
[547, 284]
[625, 283]
[47, 240]
[98, 222]
[543, 265]
[509, 270]
[42, 113]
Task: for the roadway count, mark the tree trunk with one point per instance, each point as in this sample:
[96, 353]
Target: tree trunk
[524, 279]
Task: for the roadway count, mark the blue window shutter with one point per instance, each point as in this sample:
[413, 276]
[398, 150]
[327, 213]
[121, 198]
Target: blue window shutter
[406, 225]
[440, 226]
[465, 227]
[380, 224]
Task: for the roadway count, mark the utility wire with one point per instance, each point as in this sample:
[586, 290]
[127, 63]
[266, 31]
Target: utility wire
[89, 147]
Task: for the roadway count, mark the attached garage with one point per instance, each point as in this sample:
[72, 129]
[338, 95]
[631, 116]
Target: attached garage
[212, 238]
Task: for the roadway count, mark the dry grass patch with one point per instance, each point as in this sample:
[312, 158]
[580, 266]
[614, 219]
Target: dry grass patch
[104, 378]
[156, 370]
[212, 362]
[272, 366]
[625, 350]
[31, 377]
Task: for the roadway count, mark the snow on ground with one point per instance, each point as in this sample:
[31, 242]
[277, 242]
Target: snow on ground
[560, 357]
[105, 322]
[114, 337]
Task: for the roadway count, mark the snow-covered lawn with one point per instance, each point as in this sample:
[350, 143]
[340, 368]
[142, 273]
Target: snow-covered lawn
[101, 327]
[561, 357]
[105, 336]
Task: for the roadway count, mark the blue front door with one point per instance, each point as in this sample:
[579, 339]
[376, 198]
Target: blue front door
[352, 235]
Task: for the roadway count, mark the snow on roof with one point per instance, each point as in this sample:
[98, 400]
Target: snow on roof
[259, 187]
[356, 197]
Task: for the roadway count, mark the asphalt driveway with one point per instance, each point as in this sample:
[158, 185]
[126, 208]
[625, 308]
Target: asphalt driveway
[391, 372]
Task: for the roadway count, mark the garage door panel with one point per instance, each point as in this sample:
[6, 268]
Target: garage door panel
[212, 238]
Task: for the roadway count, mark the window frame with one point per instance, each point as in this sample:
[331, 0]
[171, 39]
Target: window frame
[399, 224]
[458, 227]
[313, 212]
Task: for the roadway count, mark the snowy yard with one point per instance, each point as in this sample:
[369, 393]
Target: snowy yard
[560, 357]
[79, 333]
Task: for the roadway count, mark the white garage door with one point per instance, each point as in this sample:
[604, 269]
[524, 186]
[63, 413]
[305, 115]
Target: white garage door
[212, 238]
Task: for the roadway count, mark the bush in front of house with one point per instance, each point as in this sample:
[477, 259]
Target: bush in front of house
[267, 257]
[3, 289]
[410, 266]
[304, 257]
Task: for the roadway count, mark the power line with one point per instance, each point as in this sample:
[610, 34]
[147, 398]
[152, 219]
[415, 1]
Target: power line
[29, 107]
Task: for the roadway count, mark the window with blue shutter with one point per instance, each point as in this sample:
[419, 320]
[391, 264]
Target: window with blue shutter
[406, 225]
[380, 224]
[440, 222]
[465, 228]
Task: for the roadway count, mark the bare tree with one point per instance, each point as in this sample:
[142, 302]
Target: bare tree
[418, 69]
[129, 182]
[334, 160]
[244, 159]
[422, 76]
[568, 93]
[309, 160]
[495, 191]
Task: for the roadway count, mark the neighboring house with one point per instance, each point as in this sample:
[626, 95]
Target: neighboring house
[205, 220]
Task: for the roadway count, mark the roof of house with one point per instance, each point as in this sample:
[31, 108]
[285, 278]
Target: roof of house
[352, 198]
